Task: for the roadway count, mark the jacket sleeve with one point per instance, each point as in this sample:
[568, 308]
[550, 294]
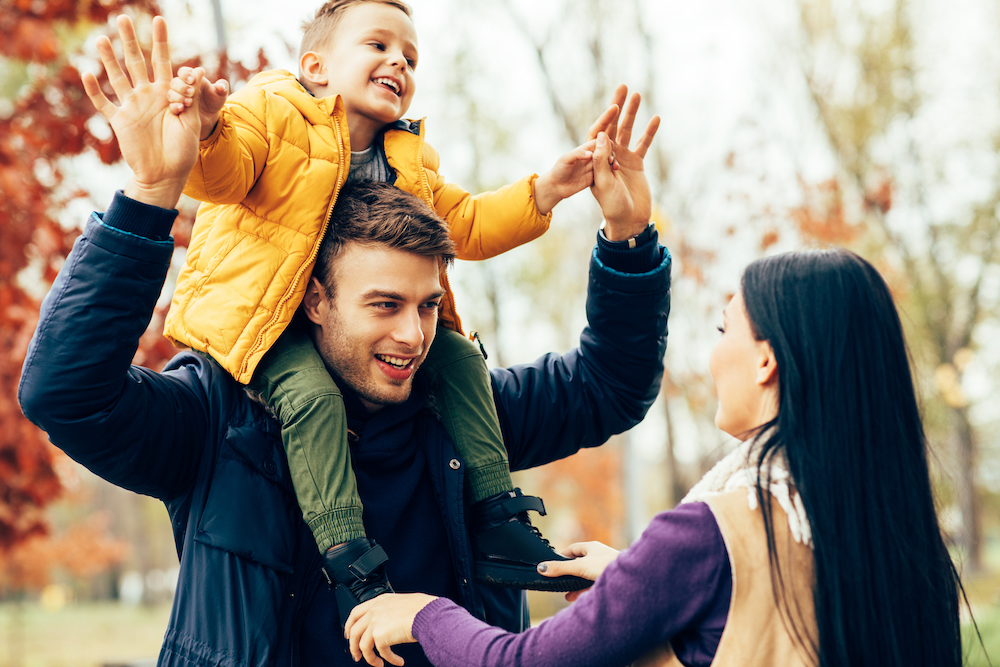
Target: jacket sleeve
[487, 224]
[559, 404]
[674, 583]
[135, 428]
[232, 158]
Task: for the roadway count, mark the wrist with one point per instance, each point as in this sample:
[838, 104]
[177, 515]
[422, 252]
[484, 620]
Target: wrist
[638, 254]
[164, 194]
[208, 128]
[618, 232]
[545, 194]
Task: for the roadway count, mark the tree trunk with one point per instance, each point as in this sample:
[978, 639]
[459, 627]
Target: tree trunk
[675, 490]
[971, 537]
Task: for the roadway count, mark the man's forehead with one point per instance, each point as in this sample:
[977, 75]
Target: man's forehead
[380, 269]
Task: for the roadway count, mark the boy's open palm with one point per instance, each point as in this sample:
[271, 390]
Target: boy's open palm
[158, 146]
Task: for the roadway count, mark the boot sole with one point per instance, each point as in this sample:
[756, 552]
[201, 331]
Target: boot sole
[527, 578]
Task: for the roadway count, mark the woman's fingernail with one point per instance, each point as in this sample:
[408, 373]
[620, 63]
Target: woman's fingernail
[542, 567]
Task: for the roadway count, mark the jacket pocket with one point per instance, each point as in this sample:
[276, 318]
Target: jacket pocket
[250, 510]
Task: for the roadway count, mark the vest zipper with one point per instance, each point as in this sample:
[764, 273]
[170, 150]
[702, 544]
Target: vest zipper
[259, 340]
[425, 189]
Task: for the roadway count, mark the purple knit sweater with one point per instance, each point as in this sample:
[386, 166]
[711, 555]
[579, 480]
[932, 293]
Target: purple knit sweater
[674, 584]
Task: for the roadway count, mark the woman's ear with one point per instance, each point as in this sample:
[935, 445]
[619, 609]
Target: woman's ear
[315, 302]
[313, 69]
[767, 365]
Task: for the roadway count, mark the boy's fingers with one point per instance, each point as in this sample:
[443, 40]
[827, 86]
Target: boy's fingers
[135, 62]
[161, 51]
[606, 120]
[647, 137]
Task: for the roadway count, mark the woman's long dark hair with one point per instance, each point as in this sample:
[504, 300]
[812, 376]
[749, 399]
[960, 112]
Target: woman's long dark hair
[886, 591]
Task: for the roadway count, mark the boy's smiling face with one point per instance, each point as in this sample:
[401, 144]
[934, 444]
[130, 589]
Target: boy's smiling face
[369, 61]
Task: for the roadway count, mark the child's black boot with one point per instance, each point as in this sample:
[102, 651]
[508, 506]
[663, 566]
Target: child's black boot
[355, 571]
[508, 548]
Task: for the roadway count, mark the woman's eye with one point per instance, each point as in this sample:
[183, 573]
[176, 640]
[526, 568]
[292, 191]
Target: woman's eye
[721, 330]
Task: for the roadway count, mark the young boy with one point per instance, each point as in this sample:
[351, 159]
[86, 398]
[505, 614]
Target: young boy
[272, 161]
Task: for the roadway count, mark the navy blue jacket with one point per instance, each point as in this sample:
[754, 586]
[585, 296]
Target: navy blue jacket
[191, 437]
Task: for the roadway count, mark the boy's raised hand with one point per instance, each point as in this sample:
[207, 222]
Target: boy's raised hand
[574, 171]
[191, 83]
[158, 146]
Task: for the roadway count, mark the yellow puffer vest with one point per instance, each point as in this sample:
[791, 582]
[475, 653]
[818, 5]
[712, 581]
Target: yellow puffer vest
[269, 176]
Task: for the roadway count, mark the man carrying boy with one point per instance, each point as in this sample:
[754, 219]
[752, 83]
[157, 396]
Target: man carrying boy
[192, 437]
[272, 162]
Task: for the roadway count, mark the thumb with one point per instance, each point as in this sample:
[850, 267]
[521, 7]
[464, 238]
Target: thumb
[221, 88]
[604, 178]
[558, 568]
[552, 568]
[215, 95]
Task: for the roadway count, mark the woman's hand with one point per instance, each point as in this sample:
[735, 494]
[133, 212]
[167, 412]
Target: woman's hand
[381, 623]
[589, 561]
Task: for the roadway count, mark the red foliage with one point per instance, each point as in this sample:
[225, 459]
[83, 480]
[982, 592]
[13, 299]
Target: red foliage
[84, 550]
[46, 122]
[822, 217]
[879, 197]
[590, 483]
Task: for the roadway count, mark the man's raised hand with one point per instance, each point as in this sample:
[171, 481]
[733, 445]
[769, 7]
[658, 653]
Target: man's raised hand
[159, 147]
[623, 193]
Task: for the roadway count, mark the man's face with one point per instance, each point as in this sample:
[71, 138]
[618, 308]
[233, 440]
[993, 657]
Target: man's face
[376, 330]
[370, 61]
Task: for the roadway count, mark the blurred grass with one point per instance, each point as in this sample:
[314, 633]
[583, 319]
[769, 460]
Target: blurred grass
[79, 635]
[93, 634]
[983, 592]
[988, 620]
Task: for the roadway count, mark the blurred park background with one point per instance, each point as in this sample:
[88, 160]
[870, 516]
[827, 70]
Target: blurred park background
[871, 124]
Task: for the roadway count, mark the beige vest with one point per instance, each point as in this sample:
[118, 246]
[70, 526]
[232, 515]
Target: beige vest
[757, 633]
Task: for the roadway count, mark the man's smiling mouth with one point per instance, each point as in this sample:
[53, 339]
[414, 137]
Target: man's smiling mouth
[395, 362]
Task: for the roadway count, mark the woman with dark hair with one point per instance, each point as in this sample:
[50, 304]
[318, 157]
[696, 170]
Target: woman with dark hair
[816, 542]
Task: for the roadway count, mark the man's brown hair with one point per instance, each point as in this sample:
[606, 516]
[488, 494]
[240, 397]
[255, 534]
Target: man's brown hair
[372, 213]
[316, 31]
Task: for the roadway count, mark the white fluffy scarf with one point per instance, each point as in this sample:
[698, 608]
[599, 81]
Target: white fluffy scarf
[734, 472]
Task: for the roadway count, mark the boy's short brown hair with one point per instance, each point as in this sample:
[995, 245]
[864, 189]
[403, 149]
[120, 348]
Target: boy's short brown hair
[317, 30]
